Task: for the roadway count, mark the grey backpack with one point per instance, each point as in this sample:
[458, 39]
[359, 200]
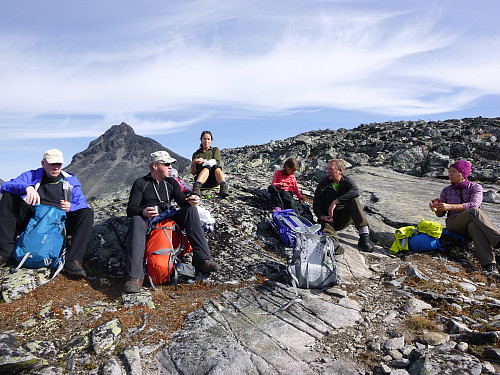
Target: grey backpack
[313, 262]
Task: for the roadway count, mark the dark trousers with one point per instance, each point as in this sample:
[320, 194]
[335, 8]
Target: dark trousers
[211, 181]
[281, 198]
[351, 213]
[15, 215]
[187, 218]
[478, 226]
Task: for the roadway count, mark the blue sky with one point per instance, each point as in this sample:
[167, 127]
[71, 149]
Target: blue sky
[250, 71]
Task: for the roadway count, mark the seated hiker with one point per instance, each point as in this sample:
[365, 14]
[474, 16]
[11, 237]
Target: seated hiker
[49, 186]
[284, 185]
[336, 204]
[157, 188]
[461, 201]
[206, 166]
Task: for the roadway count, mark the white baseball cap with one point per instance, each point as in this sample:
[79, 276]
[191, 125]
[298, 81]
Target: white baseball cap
[53, 156]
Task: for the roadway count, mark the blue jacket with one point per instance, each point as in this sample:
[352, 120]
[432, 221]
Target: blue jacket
[71, 187]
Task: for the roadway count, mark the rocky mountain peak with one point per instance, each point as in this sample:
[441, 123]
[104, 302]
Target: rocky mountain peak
[115, 159]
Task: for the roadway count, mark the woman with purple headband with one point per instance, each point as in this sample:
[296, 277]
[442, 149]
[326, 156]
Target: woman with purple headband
[461, 201]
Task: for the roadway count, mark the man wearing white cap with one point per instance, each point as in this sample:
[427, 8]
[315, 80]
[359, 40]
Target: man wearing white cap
[49, 186]
[157, 188]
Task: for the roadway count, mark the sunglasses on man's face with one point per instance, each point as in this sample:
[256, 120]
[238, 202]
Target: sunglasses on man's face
[166, 164]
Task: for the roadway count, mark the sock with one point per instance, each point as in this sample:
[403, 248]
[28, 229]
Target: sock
[363, 230]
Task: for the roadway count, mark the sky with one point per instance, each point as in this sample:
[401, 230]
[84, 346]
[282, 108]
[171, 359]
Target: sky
[250, 71]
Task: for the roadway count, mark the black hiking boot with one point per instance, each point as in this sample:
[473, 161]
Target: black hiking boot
[197, 188]
[364, 243]
[492, 269]
[224, 189]
[74, 268]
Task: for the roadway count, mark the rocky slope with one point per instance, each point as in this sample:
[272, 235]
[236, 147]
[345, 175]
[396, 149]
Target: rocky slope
[425, 313]
[115, 159]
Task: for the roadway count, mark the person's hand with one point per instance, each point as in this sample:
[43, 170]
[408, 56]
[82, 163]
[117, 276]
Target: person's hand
[198, 161]
[149, 212]
[193, 199]
[326, 219]
[331, 209]
[440, 207]
[65, 205]
[32, 196]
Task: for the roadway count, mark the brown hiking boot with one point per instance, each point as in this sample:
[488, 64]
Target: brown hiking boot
[206, 265]
[74, 268]
[133, 286]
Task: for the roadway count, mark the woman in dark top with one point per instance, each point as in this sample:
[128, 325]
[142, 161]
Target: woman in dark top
[206, 166]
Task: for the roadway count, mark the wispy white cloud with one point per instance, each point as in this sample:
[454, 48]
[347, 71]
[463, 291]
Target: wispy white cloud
[167, 57]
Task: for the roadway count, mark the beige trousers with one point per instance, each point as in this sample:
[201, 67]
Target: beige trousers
[478, 226]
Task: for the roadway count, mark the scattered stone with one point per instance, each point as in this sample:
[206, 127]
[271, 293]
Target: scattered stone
[415, 306]
[395, 343]
[462, 346]
[412, 271]
[468, 287]
[336, 292]
[14, 358]
[434, 361]
[457, 327]
[434, 338]
[492, 354]
[104, 336]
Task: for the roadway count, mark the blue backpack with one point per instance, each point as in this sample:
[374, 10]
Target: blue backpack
[423, 242]
[289, 225]
[41, 244]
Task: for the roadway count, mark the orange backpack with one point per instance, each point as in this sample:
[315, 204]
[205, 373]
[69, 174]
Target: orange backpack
[164, 245]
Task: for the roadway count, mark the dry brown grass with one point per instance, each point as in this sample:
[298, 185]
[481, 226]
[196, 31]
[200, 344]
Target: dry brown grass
[419, 324]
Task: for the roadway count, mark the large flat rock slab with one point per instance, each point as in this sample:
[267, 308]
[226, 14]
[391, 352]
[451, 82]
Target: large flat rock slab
[263, 330]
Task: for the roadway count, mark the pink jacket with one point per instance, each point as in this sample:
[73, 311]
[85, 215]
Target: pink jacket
[286, 182]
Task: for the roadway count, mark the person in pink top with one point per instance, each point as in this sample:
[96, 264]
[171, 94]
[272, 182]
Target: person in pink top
[461, 201]
[284, 186]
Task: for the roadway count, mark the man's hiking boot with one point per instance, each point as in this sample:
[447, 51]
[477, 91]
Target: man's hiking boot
[206, 265]
[339, 250]
[3, 260]
[224, 189]
[364, 243]
[133, 286]
[492, 269]
[197, 188]
[74, 268]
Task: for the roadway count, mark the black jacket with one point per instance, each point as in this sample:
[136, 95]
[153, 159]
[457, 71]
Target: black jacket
[325, 194]
[144, 194]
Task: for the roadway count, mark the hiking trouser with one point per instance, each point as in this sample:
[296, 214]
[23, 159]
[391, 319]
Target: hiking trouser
[211, 181]
[351, 213]
[187, 218]
[281, 198]
[478, 226]
[15, 215]
[79, 225]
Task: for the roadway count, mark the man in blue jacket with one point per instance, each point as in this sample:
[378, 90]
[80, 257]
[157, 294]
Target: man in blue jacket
[49, 186]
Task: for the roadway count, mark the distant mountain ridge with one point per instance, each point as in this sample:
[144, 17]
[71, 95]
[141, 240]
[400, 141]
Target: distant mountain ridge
[114, 160]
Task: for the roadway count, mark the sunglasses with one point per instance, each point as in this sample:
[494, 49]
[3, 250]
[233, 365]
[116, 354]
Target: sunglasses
[166, 164]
